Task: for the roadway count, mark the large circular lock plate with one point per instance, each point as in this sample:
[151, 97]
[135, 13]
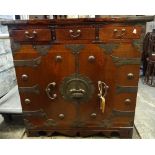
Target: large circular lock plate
[77, 88]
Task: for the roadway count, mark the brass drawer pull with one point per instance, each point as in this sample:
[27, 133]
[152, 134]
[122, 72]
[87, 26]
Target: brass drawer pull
[75, 34]
[30, 36]
[119, 34]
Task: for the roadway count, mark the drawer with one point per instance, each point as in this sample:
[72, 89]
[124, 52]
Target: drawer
[75, 33]
[31, 35]
[127, 75]
[119, 32]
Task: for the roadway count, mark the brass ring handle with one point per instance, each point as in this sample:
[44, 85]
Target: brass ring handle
[48, 90]
[30, 36]
[75, 34]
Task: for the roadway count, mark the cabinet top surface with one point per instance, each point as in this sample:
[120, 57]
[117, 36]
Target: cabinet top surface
[132, 19]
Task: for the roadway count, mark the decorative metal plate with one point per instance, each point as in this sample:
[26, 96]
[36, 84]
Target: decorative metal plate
[15, 46]
[27, 63]
[108, 47]
[36, 113]
[125, 61]
[42, 49]
[33, 89]
[75, 48]
[126, 89]
[77, 88]
[107, 123]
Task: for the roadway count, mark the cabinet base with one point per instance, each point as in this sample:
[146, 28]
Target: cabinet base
[109, 133]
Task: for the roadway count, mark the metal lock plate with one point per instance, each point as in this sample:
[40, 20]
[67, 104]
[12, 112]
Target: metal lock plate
[76, 88]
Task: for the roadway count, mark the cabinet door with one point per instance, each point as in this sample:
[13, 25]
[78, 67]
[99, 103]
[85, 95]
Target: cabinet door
[40, 86]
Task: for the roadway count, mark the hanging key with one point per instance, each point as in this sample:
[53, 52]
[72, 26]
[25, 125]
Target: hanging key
[102, 104]
[101, 86]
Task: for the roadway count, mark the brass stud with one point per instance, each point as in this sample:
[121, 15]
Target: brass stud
[127, 101]
[115, 30]
[25, 77]
[93, 115]
[91, 58]
[58, 58]
[130, 76]
[61, 116]
[27, 101]
[78, 31]
[123, 30]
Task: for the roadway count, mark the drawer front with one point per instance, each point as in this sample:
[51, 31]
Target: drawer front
[75, 33]
[31, 35]
[120, 32]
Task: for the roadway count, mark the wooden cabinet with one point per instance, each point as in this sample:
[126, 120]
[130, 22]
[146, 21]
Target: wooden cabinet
[78, 76]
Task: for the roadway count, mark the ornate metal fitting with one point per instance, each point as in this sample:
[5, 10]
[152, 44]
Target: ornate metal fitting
[42, 49]
[75, 34]
[75, 48]
[76, 88]
[125, 61]
[49, 90]
[109, 47]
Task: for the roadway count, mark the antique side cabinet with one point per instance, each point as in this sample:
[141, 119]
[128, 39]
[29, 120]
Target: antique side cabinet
[78, 76]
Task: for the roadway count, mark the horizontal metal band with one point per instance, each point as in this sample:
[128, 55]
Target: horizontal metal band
[125, 61]
[126, 89]
[27, 63]
[118, 113]
[36, 113]
[33, 89]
